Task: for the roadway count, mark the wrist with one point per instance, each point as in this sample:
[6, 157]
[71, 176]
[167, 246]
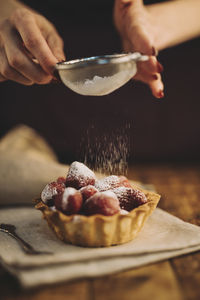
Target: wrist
[174, 21]
[155, 19]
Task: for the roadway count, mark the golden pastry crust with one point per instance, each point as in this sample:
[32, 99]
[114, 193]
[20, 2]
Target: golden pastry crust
[99, 230]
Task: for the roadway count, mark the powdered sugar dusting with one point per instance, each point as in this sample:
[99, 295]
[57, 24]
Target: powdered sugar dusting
[78, 169]
[69, 191]
[107, 183]
[123, 212]
[82, 173]
[48, 192]
[121, 191]
[53, 208]
[76, 219]
[129, 198]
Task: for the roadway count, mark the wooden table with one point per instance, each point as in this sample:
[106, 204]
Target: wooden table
[173, 279]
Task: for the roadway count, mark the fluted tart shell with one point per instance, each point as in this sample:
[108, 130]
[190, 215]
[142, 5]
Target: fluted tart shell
[99, 230]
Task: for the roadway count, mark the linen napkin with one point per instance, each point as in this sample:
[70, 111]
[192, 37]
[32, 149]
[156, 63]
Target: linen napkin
[163, 236]
[27, 163]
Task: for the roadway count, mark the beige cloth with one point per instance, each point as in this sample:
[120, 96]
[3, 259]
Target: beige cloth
[26, 164]
[162, 237]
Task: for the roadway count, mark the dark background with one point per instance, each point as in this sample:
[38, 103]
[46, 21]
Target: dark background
[160, 130]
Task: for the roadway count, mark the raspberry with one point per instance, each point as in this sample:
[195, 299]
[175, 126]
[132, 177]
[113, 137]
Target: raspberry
[61, 180]
[88, 191]
[69, 202]
[50, 190]
[129, 198]
[104, 203]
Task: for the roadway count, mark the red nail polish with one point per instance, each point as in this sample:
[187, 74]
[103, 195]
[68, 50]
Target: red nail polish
[154, 51]
[160, 94]
[155, 76]
[160, 67]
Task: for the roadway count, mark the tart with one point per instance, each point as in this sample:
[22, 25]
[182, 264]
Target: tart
[85, 211]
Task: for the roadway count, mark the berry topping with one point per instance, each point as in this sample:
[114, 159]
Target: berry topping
[50, 190]
[129, 198]
[107, 183]
[69, 202]
[105, 203]
[124, 182]
[79, 175]
[88, 191]
[61, 180]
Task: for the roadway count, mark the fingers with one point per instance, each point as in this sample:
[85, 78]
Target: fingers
[25, 54]
[157, 88]
[18, 58]
[150, 65]
[149, 73]
[56, 45]
[7, 72]
[33, 39]
[154, 81]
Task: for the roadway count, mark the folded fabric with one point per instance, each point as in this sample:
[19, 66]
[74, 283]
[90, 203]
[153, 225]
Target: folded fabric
[27, 163]
[162, 237]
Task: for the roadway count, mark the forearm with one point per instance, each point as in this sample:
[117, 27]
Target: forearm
[176, 21]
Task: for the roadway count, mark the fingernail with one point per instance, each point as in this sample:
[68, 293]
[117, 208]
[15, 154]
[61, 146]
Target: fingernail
[61, 60]
[154, 51]
[155, 76]
[160, 94]
[160, 67]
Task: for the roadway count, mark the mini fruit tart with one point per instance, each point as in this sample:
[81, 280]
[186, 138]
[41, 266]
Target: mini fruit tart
[85, 211]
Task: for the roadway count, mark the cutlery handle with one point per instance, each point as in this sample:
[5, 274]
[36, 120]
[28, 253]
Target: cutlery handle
[28, 249]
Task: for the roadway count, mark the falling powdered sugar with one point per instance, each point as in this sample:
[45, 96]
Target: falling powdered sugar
[106, 152]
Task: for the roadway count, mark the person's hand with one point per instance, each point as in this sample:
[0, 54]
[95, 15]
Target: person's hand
[30, 47]
[138, 33]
